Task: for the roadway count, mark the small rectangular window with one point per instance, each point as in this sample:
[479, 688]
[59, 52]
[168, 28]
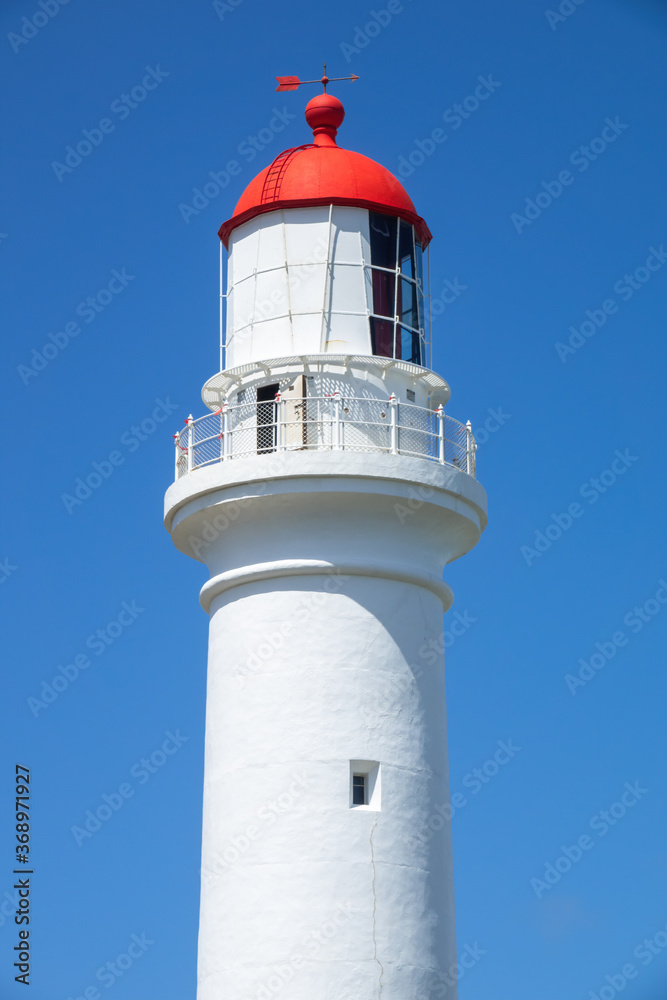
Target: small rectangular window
[359, 790]
[365, 785]
[410, 393]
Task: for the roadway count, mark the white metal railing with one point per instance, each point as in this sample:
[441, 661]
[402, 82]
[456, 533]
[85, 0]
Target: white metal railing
[324, 423]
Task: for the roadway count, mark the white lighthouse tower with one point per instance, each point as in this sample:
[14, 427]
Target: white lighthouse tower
[325, 492]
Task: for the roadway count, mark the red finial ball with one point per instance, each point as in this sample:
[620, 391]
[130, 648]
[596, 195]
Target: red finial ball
[325, 114]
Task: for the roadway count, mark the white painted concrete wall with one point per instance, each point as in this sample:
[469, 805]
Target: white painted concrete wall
[326, 582]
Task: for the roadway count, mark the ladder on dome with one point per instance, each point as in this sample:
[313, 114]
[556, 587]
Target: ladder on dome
[276, 173]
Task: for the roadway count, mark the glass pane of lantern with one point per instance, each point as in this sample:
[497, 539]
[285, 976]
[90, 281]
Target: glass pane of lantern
[383, 239]
[382, 337]
[410, 346]
[420, 286]
[383, 293]
[406, 250]
[419, 273]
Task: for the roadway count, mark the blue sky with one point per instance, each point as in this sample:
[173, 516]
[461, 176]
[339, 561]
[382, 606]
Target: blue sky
[552, 420]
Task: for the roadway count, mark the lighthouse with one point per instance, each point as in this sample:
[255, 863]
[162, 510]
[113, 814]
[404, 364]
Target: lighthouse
[325, 490]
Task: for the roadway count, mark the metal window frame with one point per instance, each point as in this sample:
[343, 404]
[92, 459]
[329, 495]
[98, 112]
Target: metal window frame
[422, 294]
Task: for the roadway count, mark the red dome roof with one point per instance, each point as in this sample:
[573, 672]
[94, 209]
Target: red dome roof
[321, 173]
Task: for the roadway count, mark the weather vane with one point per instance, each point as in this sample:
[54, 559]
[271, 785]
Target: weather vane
[292, 82]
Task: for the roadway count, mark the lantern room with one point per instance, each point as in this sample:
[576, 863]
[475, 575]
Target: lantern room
[325, 256]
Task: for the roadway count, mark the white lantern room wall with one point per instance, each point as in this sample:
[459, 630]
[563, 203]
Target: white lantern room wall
[326, 279]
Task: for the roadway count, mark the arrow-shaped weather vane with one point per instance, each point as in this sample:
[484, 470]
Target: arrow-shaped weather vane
[292, 82]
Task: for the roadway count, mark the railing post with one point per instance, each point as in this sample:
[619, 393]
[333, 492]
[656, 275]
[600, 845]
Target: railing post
[393, 403]
[191, 443]
[177, 449]
[280, 424]
[224, 431]
[470, 450]
[337, 403]
[440, 414]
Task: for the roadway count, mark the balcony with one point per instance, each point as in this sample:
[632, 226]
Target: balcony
[324, 423]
